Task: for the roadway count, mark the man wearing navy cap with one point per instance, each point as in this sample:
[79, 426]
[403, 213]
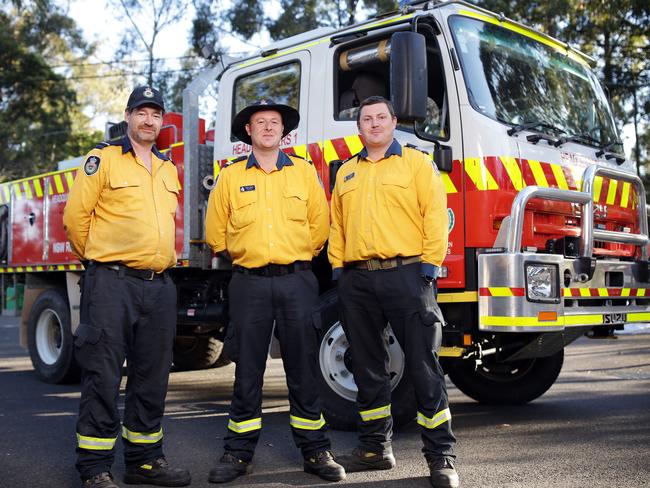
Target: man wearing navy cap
[269, 213]
[120, 221]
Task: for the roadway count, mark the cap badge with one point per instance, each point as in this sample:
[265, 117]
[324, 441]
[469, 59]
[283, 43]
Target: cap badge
[148, 92]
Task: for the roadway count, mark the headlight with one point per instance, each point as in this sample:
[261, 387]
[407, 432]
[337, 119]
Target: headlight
[542, 282]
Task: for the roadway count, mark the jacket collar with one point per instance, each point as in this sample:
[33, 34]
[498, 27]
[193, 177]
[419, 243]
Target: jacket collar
[126, 145]
[395, 149]
[283, 160]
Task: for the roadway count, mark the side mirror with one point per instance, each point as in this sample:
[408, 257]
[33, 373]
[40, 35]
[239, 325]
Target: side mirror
[334, 168]
[443, 158]
[408, 76]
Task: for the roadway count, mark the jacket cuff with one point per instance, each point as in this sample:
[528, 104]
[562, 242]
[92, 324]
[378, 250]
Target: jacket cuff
[430, 270]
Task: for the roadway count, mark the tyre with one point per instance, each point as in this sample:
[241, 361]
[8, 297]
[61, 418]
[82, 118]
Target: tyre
[196, 352]
[337, 387]
[511, 383]
[50, 340]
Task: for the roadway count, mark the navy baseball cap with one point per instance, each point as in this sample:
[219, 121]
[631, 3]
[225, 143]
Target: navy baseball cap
[145, 95]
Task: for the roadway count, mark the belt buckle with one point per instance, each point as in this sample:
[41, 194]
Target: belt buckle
[150, 276]
[373, 264]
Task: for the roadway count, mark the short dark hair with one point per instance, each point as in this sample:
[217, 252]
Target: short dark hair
[374, 100]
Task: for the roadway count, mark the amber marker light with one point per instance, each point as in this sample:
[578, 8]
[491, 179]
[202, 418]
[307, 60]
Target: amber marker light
[467, 339]
[547, 316]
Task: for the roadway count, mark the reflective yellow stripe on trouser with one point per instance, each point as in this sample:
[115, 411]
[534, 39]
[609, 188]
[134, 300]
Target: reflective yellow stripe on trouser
[96, 443]
[302, 423]
[140, 437]
[431, 423]
[245, 426]
[375, 413]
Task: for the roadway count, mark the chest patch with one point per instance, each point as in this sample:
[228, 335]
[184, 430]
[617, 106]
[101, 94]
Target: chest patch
[247, 188]
[91, 165]
[348, 177]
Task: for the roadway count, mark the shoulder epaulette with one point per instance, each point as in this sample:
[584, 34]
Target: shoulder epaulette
[350, 158]
[105, 144]
[102, 145]
[413, 146]
[236, 160]
[300, 157]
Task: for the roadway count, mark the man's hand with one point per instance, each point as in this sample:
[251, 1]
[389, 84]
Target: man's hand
[428, 280]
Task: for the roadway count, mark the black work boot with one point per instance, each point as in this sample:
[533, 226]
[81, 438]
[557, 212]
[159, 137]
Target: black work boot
[322, 464]
[157, 472]
[101, 480]
[443, 473]
[228, 469]
[361, 460]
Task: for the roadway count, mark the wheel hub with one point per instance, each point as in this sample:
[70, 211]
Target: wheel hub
[335, 361]
[49, 336]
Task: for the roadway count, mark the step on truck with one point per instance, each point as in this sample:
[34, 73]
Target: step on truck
[548, 232]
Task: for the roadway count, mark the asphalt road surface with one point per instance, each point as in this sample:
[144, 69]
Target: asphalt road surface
[591, 429]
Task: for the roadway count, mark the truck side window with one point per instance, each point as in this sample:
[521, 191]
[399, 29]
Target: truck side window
[364, 70]
[279, 83]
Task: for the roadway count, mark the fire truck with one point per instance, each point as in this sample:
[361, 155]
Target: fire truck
[548, 232]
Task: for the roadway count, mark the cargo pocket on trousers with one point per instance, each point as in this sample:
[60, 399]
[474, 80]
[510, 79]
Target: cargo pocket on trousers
[85, 338]
[87, 334]
[231, 343]
[429, 310]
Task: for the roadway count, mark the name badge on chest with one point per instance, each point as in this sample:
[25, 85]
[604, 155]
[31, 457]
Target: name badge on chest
[348, 177]
[247, 188]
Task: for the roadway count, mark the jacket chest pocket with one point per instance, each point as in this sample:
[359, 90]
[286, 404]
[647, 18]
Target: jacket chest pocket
[349, 185]
[170, 193]
[396, 189]
[126, 192]
[294, 202]
[244, 205]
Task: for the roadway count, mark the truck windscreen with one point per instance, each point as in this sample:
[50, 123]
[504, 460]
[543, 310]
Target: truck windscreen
[517, 79]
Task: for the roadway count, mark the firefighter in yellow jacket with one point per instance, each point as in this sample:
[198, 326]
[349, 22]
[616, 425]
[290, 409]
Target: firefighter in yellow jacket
[388, 239]
[120, 221]
[268, 212]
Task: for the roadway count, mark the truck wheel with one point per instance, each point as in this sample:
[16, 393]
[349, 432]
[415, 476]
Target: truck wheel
[511, 383]
[196, 352]
[50, 341]
[338, 389]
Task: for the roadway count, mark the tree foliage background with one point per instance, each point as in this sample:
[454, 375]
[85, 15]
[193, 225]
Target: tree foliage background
[49, 92]
[40, 117]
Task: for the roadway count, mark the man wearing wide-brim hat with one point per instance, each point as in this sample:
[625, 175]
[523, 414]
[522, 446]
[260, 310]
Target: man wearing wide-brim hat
[269, 213]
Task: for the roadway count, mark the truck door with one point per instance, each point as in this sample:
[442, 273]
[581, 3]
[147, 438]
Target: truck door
[362, 69]
[443, 127]
[284, 79]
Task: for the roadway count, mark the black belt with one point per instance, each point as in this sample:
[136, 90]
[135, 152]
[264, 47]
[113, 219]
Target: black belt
[376, 264]
[274, 269]
[143, 274]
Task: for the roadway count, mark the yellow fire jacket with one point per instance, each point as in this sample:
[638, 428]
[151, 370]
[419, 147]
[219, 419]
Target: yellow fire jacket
[268, 218]
[396, 206]
[119, 212]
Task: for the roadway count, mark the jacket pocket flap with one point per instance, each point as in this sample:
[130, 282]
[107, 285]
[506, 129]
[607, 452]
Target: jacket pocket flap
[244, 198]
[295, 192]
[171, 183]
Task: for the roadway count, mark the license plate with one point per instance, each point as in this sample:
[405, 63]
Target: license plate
[614, 318]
